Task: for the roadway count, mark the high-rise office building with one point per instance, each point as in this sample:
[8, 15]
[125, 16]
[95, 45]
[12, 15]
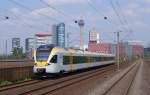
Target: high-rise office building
[29, 46]
[93, 36]
[15, 43]
[61, 35]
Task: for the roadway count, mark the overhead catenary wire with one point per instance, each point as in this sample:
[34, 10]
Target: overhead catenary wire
[69, 16]
[58, 11]
[27, 24]
[120, 19]
[3, 17]
[114, 9]
[116, 12]
[29, 9]
[90, 3]
[17, 16]
[54, 8]
[92, 6]
[121, 13]
[125, 21]
[72, 19]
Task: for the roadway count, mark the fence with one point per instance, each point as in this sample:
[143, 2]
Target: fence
[12, 70]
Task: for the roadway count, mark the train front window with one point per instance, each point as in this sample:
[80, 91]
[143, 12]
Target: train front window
[42, 56]
[43, 52]
[54, 59]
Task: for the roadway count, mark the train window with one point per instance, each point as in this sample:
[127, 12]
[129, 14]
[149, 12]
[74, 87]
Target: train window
[80, 59]
[105, 58]
[75, 60]
[84, 59]
[112, 58]
[54, 59]
[91, 59]
[66, 60]
[98, 59]
[102, 58]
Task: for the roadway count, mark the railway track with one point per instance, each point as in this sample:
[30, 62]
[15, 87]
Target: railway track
[123, 84]
[49, 86]
[17, 85]
[52, 88]
[130, 84]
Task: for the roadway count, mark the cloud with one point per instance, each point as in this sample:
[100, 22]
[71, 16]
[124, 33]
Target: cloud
[43, 11]
[145, 10]
[140, 24]
[15, 11]
[146, 1]
[130, 13]
[63, 2]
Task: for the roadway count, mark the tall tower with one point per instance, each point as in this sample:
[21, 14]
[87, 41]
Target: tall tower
[81, 25]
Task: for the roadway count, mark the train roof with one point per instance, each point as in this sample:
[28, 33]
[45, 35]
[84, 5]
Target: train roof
[73, 51]
[83, 52]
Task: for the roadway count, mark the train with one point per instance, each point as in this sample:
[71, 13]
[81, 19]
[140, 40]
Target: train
[49, 59]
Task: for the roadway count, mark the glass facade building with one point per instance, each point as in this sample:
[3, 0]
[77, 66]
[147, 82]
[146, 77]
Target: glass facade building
[61, 35]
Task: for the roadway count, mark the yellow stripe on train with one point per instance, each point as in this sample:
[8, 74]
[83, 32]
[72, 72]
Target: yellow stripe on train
[41, 63]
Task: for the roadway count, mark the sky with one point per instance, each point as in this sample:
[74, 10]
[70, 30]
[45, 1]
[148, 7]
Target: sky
[28, 17]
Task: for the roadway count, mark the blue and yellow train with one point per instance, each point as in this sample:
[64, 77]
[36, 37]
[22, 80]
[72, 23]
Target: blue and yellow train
[51, 60]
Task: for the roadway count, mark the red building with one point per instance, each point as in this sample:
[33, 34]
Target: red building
[137, 50]
[99, 47]
[126, 49]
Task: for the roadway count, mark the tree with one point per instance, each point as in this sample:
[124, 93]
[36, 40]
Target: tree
[18, 53]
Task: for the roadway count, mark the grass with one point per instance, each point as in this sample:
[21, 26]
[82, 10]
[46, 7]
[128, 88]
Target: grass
[5, 83]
